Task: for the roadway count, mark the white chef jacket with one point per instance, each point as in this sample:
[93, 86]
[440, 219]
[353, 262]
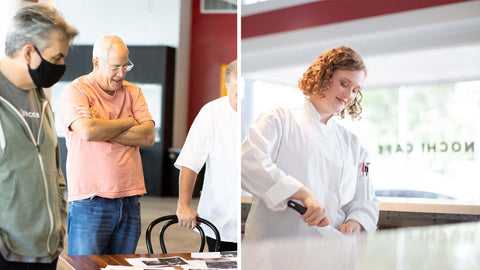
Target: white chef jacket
[286, 149]
[213, 139]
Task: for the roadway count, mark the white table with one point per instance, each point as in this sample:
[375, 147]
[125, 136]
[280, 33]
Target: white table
[454, 246]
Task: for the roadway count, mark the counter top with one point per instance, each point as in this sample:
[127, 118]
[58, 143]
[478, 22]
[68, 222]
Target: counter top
[418, 205]
[454, 246]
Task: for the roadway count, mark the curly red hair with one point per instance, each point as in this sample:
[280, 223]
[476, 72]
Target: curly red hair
[316, 79]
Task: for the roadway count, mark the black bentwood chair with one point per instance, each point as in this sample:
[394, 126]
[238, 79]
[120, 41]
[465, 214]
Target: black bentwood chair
[172, 219]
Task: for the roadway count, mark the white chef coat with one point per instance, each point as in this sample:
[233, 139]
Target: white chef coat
[287, 148]
[212, 138]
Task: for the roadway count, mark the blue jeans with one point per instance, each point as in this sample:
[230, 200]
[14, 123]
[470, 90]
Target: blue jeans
[102, 226]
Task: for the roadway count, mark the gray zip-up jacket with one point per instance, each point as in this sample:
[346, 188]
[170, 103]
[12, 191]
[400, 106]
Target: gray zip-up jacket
[32, 187]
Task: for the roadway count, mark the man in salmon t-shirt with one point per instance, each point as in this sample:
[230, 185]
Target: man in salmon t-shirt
[107, 119]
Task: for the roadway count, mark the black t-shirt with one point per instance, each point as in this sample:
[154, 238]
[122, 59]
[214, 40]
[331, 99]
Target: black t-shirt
[24, 101]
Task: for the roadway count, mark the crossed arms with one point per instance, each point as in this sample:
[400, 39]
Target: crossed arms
[124, 131]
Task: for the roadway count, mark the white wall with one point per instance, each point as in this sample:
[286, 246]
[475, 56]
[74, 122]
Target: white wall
[139, 22]
[6, 13]
[182, 75]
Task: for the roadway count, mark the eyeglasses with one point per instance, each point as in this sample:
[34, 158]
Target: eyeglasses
[125, 68]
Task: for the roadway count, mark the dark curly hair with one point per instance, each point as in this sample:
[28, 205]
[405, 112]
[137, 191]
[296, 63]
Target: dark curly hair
[316, 79]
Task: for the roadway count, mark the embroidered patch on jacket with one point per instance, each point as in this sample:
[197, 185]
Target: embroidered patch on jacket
[365, 168]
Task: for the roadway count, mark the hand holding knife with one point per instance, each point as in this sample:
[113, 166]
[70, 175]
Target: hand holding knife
[302, 210]
[296, 206]
[325, 230]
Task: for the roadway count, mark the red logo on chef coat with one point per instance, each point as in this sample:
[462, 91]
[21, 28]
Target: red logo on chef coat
[365, 168]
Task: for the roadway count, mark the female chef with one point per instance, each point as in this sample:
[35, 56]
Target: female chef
[303, 154]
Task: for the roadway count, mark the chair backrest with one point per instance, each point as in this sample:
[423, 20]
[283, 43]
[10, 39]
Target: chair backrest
[172, 219]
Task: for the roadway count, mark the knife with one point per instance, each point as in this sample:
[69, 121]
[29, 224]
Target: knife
[296, 206]
[327, 230]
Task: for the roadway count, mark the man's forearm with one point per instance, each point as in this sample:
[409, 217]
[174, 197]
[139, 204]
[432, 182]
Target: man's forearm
[185, 213]
[186, 185]
[97, 129]
[140, 135]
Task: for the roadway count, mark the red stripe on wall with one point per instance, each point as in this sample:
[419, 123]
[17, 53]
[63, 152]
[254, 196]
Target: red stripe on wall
[213, 43]
[327, 12]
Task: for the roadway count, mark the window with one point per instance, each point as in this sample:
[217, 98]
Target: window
[422, 139]
[251, 2]
[259, 96]
[218, 6]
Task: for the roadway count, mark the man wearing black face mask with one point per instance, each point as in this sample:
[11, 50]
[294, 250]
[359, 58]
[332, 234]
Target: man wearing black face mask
[46, 74]
[32, 204]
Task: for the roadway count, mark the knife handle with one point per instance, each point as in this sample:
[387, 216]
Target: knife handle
[296, 206]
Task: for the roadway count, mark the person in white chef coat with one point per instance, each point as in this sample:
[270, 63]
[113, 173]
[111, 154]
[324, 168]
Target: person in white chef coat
[212, 139]
[305, 155]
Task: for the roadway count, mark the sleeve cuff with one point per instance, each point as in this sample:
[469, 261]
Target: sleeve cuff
[193, 165]
[368, 220]
[277, 195]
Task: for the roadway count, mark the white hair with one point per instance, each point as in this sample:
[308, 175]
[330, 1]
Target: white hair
[103, 45]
